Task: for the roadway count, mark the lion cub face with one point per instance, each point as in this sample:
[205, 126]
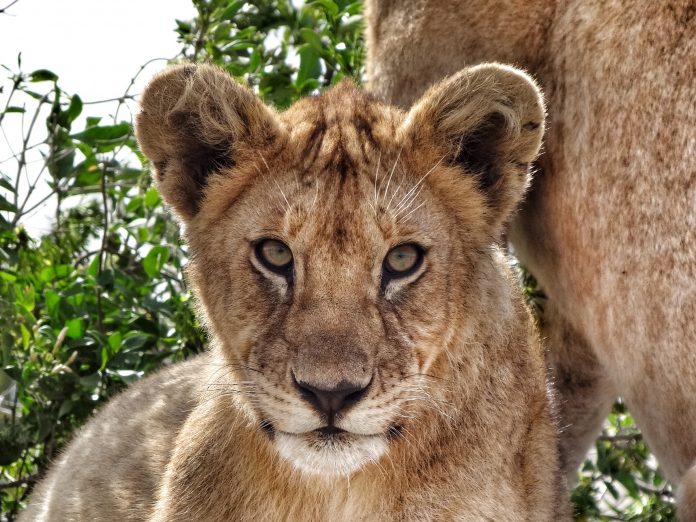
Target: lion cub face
[337, 247]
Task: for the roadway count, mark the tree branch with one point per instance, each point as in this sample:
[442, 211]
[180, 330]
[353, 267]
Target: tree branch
[621, 437]
[15, 84]
[25, 481]
[4, 9]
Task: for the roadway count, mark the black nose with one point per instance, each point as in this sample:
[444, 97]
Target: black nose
[333, 400]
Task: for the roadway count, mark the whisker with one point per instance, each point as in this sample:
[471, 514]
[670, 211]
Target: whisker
[379, 159]
[386, 189]
[316, 195]
[402, 179]
[275, 181]
[405, 203]
[413, 189]
[412, 211]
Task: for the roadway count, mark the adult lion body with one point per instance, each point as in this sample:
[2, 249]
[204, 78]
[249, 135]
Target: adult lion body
[609, 227]
[372, 358]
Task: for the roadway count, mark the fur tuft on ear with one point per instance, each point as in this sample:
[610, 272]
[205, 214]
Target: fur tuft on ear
[191, 120]
[490, 121]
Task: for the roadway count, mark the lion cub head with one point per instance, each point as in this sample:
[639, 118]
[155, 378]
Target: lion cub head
[341, 250]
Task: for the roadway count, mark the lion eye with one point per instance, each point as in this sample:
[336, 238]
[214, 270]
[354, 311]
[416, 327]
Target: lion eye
[403, 260]
[274, 255]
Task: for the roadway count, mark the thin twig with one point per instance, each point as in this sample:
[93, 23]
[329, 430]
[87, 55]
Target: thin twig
[108, 100]
[23, 158]
[38, 203]
[24, 481]
[102, 250]
[664, 491]
[15, 84]
[83, 257]
[4, 9]
[126, 95]
[621, 437]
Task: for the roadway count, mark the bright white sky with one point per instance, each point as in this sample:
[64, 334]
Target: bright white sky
[94, 46]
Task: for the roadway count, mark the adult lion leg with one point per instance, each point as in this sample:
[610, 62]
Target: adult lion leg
[661, 400]
[686, 496]
[584, 394]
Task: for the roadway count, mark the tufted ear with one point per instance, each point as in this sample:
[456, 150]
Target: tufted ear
[490, 121]
[192, 120]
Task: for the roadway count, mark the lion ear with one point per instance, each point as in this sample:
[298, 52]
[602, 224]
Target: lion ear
[192, 120]
[490, 120]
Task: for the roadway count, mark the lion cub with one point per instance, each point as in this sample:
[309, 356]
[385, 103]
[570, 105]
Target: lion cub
[371, 356]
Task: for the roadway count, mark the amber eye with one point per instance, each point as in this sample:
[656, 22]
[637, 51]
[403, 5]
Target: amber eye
[402, 261]
[274, 255]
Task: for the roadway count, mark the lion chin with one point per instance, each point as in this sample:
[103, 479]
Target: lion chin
[335, 454]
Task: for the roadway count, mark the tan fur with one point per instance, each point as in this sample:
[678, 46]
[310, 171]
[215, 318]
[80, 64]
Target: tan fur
[609, 229]
[455, 423]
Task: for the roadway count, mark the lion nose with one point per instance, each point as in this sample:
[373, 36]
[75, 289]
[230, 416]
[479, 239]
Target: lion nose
[332, 400]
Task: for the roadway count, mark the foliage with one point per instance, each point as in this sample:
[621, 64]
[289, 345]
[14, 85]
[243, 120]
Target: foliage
[94, 304]
[101, 299]
[619, 478]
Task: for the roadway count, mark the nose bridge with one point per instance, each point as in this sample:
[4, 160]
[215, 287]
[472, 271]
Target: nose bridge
[331, 359]
[337, 279]
[332, 296]
[329, 325]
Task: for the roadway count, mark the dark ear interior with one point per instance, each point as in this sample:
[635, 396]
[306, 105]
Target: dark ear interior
[477, 151]
[192, 119]
[491, 120]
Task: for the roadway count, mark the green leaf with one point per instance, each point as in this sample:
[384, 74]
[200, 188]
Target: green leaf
[134, 204]
[14, 372]
[74, 109]
[90, 382]
[52, 299]
[612, 490]
[76, 328]
[627, 480]
[106, 133]
[6, 205]
[310, 67]
[26, 298]
[47, 274]
[16, 109]
[155, 260]
[312, 38]
[127, 376]
[183, 27]
[5, 183]
[135, 341]
[115, 341]
[353, 8]
[329, 7]
[93, 268]
[65, 408]
[51, 273]
[7, 276]
[232, 9]
[152, 197]
[26, 336]
[33, 94]
[43, 75]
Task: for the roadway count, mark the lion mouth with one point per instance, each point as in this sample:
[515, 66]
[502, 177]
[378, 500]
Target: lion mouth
[329, 432]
